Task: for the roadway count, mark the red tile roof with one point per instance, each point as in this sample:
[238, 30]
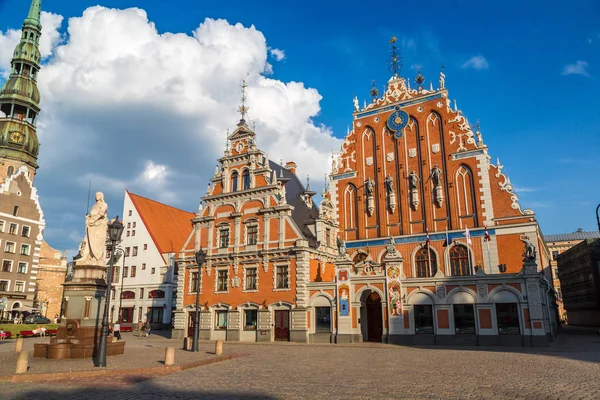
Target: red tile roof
[168, 226]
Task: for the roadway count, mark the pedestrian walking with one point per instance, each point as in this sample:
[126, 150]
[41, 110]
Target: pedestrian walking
[117, 330]
[147, 328]
[140, 327]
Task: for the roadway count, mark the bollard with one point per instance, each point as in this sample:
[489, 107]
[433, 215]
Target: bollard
[170, 356]
[19, 345]
[218, 347]
[22, 362]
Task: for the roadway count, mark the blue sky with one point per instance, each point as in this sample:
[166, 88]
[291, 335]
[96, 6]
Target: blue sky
[529, 71]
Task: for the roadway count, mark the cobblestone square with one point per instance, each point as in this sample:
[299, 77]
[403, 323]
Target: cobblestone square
[569, 369]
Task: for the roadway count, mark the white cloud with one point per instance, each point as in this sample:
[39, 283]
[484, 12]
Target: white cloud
[477, 62]
[277, 53]
[126, 106]
[579, 68]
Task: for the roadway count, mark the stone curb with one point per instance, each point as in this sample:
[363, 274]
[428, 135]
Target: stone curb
[153, 371]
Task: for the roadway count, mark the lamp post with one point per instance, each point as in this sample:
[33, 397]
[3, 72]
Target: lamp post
[598, 216]
[115, 230]
[122, 280]
[200, 258]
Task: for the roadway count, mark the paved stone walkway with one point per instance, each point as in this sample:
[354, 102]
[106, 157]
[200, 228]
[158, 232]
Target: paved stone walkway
[568, 370]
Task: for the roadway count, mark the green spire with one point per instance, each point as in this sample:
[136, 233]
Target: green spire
[33, 18]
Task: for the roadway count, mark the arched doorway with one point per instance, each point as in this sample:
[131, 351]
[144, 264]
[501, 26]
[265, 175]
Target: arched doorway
[371, 316]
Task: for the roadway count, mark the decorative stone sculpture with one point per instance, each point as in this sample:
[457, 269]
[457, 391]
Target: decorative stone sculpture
[530, 253]
[96, 228]
[442, 79]
[355, 100]
[438, 192]
[369, 193]
[391, 194]
[413, 186]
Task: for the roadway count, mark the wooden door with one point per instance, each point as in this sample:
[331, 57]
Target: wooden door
[282, 325]
[191, 319]
[374, 318]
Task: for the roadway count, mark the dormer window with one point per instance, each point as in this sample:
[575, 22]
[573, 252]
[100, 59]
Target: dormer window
[246, 179]
[234, 181]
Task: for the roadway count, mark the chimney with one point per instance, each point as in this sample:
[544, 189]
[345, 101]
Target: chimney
[291, 166]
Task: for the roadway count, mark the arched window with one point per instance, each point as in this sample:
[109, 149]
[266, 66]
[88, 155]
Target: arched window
[128, 295]
[10, 170]
[465, 195]
[459, 261]
[246, 179]
[234, 181]
[156, 294]
[423, 263]
[350, 215]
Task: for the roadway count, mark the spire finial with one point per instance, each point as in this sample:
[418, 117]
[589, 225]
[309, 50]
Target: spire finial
[243, 109]
[374, 92]
[307, 182]
[34, 16]
[395, 61]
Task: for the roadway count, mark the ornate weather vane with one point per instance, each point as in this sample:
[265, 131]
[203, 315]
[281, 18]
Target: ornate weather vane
[243, 109]
[395, 61]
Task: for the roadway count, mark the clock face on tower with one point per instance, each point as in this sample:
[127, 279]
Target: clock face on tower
[397, 121]
[16, 137]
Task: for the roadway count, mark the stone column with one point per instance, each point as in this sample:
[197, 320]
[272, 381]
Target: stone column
[265, 325]
[537, 321]
[343, 331]
[393, 264]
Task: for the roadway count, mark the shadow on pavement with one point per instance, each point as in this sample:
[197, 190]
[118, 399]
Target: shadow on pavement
[140, 389]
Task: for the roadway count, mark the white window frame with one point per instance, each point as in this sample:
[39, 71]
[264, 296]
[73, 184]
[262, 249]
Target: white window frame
[226, 281]
[192, 271]
[251, 222]
[244, 318]
[26, 267]
[244, 290]
[7, 284]
[6, 247]
[217, 311]
[15, 287]
[2, 225]
[27, 246]
[25, 226]
[275, 288]
[12, 263]
[16, 230]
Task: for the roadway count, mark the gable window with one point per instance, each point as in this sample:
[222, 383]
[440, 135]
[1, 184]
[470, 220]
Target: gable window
[224, 237]
[133, 226]
[133, 232]
[7, 265]
[128, 225]
[128, 233]
[143, 266]
[423, 261]
[25, 249]
[10, 247]
[251, 279]
[459, 261]
[234, 181]
[15, 211]
[246, 179]
[221, 319]
[1, 226]
[127, 251]
[153, 270]
[282, 277]
[222, 279]
[145, 247]
[133, 271]
[13, 228]
[22, 267]
[252, 232]
[19, 286]
[130, 213]
[4, 286]
[193, 282]
[134, 251]
[25, 231]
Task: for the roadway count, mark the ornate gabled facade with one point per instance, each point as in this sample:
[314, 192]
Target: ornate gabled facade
[266, 242]
[433, 231]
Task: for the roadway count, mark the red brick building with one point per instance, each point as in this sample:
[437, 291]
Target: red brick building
[434, 231]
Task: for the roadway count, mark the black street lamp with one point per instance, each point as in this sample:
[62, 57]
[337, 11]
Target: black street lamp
[598, 217]
[115, 230]
[200, 258]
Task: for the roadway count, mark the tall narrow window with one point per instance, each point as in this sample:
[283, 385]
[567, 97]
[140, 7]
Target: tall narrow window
[222, 280]
[465, 196]
[6, 266]
[234, 181]
[282, 278]
[459, 261]
[246, 179]
[12, 229]
[252, 231]
[224, 238]
[25, 231]
[133, 271]
[16, 211]
[134, 251]
[125, 272]
[350, 200]
[425, 265]
[194, 282]
[251, 278]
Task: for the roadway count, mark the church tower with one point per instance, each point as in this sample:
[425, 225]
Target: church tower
[19, 101]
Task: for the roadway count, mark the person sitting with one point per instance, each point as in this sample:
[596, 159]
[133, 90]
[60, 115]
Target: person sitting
[117, 330]
[43, 331]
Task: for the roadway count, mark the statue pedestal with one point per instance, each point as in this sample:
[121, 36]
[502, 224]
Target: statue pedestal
[79, 333]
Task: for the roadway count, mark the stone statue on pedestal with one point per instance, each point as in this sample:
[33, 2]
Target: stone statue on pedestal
[93, 246]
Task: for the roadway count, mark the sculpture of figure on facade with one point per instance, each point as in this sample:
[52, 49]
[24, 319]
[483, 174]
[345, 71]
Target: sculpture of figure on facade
[96, 227]
[391, 247]
[413, 186]
[341, 247]
[442, 79]
[395, 299]
[369, 193]
[530, 252]
[438, 192]
[355, 100]
[391, 194]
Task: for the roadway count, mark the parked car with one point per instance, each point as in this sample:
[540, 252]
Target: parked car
[36, 319]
